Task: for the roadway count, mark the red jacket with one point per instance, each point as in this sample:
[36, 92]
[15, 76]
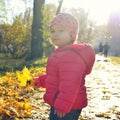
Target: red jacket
[65, 78]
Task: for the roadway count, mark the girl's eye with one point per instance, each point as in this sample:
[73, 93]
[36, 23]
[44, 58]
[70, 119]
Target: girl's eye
[61, 30]
[52, 31]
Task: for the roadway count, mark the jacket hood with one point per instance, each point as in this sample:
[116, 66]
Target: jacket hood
[86, 52]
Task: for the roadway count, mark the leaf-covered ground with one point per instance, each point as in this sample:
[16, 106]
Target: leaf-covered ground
[103, 86]
[19, 101]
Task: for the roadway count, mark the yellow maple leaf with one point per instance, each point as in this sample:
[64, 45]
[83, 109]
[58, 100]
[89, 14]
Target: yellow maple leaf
[24, 76]
[22, 79]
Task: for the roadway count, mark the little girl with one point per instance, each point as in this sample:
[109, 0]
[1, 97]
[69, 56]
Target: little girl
[66, 69]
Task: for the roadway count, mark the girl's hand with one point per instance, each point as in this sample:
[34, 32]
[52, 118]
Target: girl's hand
[59, 113]
[34, 83]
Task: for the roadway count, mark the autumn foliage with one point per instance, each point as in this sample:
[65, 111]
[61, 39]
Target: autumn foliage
[16, 89]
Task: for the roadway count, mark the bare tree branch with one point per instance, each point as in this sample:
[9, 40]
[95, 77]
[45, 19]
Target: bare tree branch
[59, 6]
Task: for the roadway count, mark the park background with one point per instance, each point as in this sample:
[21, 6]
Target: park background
[25, 47]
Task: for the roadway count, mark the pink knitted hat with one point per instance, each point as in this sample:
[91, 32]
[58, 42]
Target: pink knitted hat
[68, 21]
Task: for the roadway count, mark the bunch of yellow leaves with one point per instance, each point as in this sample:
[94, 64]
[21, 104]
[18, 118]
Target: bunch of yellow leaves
[14, 108]
[14, 100]
[24, 76]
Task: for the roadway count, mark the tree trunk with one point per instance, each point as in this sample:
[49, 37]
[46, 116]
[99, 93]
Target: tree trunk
[37, 30]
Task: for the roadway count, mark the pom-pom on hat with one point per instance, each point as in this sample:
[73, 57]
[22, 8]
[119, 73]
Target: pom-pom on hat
[68, 21]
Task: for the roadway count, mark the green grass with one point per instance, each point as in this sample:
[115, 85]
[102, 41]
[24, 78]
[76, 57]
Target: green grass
[36, 62]
[11, 65]
[1, 55]
[115, 60]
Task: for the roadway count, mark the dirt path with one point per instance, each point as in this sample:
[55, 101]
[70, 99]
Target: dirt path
[103, 86]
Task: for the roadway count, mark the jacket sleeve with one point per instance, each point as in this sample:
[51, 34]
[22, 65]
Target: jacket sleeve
[70, 82]
[41, 81]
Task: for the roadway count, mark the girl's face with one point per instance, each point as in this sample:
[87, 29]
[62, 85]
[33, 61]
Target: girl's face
[59, 36]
